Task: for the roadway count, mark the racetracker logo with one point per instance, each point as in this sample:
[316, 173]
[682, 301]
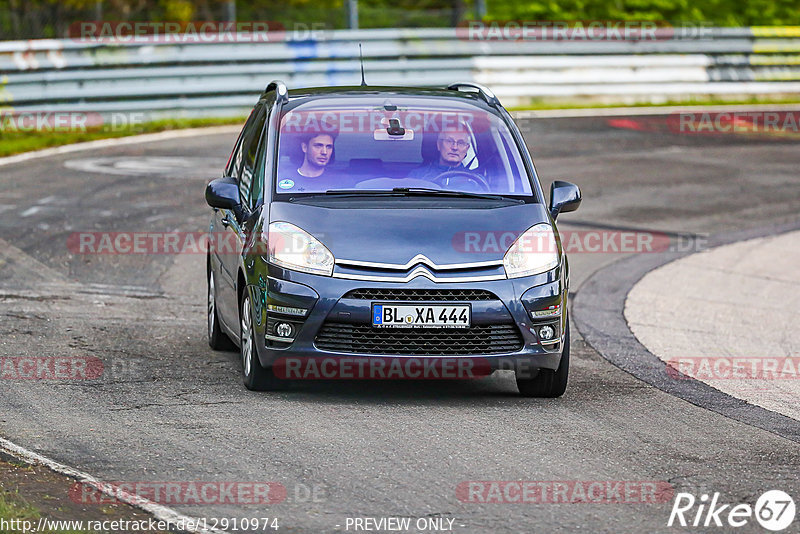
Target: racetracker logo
[565, 30]
[774, 510]
[50, 368]
[767, 124]
[171, 493]
[580, 242]
[564, 492]
[406, 122]
[180, 32]
[737, 122]
[734, 368]
[323, 368]
[185, 243]
[12, 121]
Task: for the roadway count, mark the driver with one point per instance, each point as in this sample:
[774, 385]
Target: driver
[452, 146]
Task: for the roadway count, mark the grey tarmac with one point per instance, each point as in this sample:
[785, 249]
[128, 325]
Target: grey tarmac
[167, 408]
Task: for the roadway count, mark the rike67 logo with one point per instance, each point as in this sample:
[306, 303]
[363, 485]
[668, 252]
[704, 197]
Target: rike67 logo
[774, 510]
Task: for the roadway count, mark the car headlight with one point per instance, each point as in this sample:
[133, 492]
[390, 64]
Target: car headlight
[294, 248]
[534, 252]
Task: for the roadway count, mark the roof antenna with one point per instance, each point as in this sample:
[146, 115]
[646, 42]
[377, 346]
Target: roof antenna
[361, 57]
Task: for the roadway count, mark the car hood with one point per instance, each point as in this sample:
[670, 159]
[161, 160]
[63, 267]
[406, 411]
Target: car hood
[443, 235]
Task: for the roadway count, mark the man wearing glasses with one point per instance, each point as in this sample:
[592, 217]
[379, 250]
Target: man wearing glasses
[452, 146]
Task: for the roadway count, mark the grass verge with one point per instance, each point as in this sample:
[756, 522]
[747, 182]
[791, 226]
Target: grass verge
[547, 104]
[28, 493]
[17, 141]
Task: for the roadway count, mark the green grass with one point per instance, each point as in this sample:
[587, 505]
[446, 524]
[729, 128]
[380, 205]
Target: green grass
[14, 506]
[546, 104]
[14, 142]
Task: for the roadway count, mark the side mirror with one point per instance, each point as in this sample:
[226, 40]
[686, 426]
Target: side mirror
[564, 197]
[223, 193]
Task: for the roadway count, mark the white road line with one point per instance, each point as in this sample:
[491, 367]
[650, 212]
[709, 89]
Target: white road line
[160, 512]
[31, 211]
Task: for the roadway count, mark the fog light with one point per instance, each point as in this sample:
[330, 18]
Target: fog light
[546, 333]
[283, 329]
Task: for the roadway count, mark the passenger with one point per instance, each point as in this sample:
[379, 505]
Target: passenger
[313, 174]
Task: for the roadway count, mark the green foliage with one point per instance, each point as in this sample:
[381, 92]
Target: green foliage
[675, 12]
[25, 19]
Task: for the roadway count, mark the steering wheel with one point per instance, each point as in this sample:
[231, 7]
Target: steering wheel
[443, 179]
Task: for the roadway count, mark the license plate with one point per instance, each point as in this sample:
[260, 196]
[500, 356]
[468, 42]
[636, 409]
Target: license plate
[421, 316]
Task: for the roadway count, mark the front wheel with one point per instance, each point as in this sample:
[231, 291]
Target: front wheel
[255, 376]
[548, 383]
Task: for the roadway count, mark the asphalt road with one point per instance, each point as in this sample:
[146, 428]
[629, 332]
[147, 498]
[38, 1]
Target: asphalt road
[168, 408]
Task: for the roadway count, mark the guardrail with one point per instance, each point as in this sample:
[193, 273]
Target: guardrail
[224, 78]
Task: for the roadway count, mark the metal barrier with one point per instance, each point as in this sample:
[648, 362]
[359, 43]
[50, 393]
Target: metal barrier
[217, 79]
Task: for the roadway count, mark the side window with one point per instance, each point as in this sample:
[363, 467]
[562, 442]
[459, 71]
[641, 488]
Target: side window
[248, 153]
[235, 160]
[258, 177]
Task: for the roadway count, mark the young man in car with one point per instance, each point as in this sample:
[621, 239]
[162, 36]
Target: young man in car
[317, 153]
[452, 146]
[313, 175]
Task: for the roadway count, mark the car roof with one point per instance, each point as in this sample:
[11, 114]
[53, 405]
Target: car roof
[312, 93]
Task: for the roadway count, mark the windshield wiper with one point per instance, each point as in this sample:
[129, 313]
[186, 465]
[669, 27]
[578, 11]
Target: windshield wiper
[419, 191]
[424, 191]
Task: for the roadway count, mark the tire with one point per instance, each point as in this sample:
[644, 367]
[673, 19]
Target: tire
[254, 376]
[217, 339]
[548, 383]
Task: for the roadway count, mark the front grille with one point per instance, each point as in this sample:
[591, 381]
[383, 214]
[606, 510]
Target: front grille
[364, 339]
[449, 295]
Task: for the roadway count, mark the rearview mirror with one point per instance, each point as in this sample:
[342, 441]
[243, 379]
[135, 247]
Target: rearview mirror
[564, 197]
[223, 193]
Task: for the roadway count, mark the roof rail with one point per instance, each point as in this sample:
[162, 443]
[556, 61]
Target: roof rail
[280, 90]
[484, 91]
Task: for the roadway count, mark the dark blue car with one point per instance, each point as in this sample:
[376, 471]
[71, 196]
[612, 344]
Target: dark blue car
[383, 232]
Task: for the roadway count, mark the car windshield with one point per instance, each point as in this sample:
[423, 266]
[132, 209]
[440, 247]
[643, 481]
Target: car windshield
[387, 143]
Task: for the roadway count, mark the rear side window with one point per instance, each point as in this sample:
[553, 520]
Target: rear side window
[250, 150]
[235, 159]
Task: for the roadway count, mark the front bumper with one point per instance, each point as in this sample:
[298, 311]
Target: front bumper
[278, 295]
